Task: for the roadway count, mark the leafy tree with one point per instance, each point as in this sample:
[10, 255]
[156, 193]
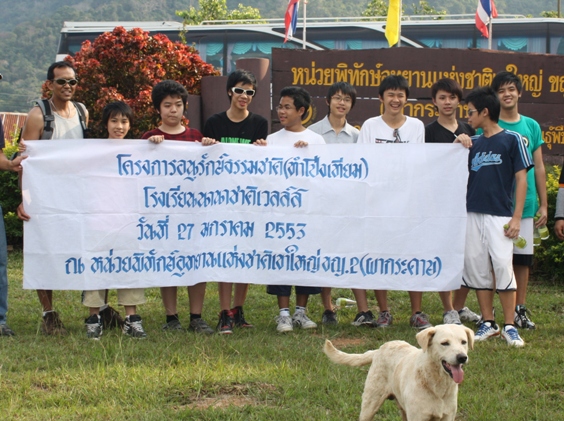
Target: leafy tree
[125, 65]
[216, 10]
[380, 8]
[550, 14]
[376, 8]
[423, 8]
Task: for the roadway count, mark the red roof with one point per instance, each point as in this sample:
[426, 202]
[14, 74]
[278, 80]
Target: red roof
[12, 122]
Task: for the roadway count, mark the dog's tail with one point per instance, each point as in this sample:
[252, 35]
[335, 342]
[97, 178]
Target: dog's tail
[339, 357]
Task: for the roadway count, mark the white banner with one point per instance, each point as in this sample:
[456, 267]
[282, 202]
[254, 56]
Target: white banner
[130, 214]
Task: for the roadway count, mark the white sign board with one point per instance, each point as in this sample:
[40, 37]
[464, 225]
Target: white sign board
[132, 214]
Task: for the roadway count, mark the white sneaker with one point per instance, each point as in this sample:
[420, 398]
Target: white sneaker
[486, 331]
[301, 320]
[451, 317]
[510, 334]
[467, 315]
[284, 324]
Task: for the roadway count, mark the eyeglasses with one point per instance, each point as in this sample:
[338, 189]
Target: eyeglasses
[397, 138]
[346, 99]
[241, 91]
[63, 82]
[284, 108]
[470, 112]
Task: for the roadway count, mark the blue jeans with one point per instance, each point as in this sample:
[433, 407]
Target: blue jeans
[3, 271]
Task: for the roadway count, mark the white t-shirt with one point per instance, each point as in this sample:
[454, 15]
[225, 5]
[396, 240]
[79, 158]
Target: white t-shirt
[286, 138]
[375, 130]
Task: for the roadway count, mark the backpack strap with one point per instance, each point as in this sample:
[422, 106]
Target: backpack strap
[48, 118]
[82, 116]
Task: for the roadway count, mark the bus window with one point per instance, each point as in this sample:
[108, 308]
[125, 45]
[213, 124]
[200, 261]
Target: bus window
[246, 44]
[555, 38]
[210, 46]
[440, 35]
[520, 38]
[347, 38]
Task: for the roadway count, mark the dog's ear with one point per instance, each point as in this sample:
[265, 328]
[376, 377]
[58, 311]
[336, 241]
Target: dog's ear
[470, 334]
[425, 337]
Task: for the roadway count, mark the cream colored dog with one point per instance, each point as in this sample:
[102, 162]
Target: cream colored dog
[424, 382]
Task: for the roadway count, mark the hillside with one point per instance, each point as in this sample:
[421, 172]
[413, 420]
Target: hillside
[30, 29]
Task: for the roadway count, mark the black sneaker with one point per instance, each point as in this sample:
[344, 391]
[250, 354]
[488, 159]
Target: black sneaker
[93, 327]
[329, 318]
[200, 326]
[239, 317]
[6, 331]
[364, 318]
[225, 324]
[173, 326]
[521, 318]
[133, 326]
[111, 318]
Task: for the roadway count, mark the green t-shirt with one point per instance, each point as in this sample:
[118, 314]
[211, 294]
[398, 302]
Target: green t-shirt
[531, 132]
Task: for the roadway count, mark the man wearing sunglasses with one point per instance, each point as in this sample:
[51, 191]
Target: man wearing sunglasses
[236, 125]
[63, 121]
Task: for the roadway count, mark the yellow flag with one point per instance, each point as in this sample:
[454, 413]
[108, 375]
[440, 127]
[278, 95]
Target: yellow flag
[393, 22]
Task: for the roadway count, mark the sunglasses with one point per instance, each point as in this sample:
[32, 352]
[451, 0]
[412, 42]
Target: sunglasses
[241, 91]
[63, 82]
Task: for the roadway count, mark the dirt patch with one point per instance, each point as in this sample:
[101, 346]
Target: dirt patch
[343, 342]
[223, 401]
[237, 395]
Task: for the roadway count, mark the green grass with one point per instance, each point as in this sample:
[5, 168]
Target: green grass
[256, 374]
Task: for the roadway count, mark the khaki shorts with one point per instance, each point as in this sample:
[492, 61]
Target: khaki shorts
[126, 297]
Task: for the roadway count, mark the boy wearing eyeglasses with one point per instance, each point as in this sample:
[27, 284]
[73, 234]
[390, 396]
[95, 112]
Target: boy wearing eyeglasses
[294, 104]
[170, 100]
[236, 125]
[497, 185]
[62, 82]
[395, 127]
[341, 98]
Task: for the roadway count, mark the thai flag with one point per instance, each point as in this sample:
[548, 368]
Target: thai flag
[291, 18]
[486, 11]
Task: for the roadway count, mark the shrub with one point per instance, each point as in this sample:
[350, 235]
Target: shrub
[10, 197]
[125, 65]
[550, 254]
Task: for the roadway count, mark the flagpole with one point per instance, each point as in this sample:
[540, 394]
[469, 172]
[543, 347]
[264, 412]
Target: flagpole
[490, 34]
[304, 33]
[399, 24]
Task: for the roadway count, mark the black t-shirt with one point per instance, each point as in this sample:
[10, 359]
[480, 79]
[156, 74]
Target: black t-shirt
[221, 128]
[435, 133]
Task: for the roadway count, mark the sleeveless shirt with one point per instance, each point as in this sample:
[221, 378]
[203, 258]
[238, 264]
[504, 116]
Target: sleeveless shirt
[67, 128]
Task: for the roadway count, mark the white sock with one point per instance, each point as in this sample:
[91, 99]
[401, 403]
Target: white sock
[285, 312]
[300, 310]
